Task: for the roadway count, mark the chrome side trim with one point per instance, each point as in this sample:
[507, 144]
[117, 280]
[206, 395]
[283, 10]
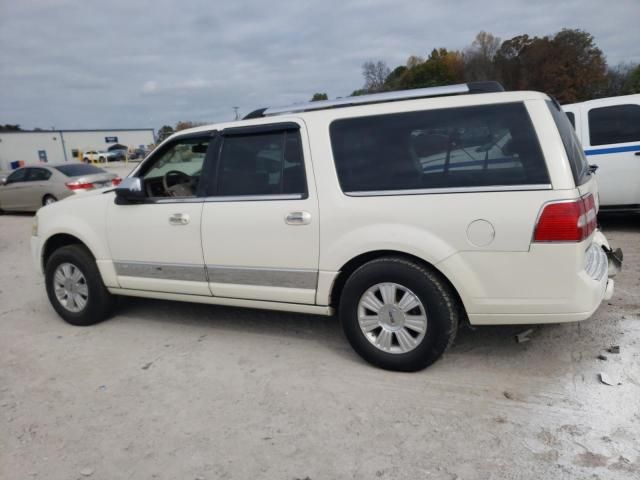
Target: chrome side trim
[264, 276]
[435, 191]
[255, 198]
[232, 302]
[162, 271]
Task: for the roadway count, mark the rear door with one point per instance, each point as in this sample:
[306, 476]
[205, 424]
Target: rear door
[37, 181]
[260, 221]
[612, 141]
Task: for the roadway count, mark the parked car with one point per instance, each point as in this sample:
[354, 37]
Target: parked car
[609, 129]
[101, 156]
[118, 155]
[29, 188]
[406, 213]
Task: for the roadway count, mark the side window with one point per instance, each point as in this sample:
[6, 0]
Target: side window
[38, 175]
[488, 145]
[577, 160]
[175, 171]
[17, 176]
[268, 163]
[572, 118]
[614, 124]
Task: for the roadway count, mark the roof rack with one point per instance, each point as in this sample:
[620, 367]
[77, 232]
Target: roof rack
[462, 88]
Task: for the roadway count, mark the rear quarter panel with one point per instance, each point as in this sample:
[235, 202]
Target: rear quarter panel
[434, 227]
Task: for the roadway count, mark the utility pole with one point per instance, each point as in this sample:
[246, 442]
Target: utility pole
[235, 109]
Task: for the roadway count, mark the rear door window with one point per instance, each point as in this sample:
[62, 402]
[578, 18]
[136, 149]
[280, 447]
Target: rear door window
[614, 124]
[575, 153]
[261, 163]
[38, 174]
[480, 146]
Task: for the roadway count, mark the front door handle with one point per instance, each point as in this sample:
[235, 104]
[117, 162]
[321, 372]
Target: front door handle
[179, 219]
[298, 218]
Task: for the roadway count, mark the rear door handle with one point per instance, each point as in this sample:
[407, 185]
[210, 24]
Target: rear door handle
[298, 218]
[179, 219]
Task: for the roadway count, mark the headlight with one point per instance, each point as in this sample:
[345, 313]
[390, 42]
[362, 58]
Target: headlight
[34, 226]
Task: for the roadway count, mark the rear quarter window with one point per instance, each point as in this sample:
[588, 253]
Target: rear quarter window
[575, 153]
[479, 146]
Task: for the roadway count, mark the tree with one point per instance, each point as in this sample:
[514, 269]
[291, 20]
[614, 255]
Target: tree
[442, 67]
[633, 82]
[10, 128]
[375, 74]
[165, 132]
[319, 96]
[568, 65]
[183, 125]
[619, 79]
[479, 57]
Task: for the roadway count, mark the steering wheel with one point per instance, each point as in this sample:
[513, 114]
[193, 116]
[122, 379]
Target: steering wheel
[184, 178]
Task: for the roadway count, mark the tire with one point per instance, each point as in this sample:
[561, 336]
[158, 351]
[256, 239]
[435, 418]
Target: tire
[437, 312]
[98, 303]
[49, 199]
[85, 160]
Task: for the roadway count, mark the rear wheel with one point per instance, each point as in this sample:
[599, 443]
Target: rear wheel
[75, 288]
[399, 315]
[49, 199]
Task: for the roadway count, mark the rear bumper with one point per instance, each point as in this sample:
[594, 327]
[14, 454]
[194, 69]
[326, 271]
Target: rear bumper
[551, 283]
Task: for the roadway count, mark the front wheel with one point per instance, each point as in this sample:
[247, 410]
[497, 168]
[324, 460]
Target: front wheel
[399, 315]
[75, 288]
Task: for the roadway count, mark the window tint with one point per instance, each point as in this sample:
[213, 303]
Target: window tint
[267, 163]
[175, 171]
[38, 174]
[577, 160]
[75, 170]
[489, 145]
[615, 124]
[572, 118]
[17, 176]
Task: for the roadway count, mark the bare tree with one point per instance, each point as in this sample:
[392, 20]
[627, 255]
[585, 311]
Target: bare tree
[479, 57]
[375, 73]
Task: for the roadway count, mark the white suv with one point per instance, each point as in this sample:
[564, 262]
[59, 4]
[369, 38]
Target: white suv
[406, 212]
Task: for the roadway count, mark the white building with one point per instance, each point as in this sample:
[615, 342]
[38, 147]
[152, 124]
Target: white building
[59, 146]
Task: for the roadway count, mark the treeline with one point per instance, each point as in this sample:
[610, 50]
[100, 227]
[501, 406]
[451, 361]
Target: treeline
[567, 65]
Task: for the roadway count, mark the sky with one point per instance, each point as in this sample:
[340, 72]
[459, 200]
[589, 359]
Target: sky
[138, 64]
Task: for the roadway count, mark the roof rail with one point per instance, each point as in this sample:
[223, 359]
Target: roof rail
[462, 88]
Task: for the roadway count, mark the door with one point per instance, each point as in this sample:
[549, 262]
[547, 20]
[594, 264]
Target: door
[260, 224]
[613, 143]
[155, 244]
[13, 194]
[37, 181]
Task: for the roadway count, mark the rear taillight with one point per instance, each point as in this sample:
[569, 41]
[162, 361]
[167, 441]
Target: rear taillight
[116, 181]
[79, 185]
[571, 221]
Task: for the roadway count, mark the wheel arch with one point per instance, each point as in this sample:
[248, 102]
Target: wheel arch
[356, 262]
[59, 240]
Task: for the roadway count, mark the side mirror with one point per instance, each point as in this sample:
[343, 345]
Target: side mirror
[129, 191]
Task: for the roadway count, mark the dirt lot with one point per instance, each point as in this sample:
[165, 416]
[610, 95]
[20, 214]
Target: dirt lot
[177, 391]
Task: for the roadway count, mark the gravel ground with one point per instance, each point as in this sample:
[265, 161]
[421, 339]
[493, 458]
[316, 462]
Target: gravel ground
[168, 390]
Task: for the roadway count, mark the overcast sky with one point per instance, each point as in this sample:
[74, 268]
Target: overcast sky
[129, 64]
